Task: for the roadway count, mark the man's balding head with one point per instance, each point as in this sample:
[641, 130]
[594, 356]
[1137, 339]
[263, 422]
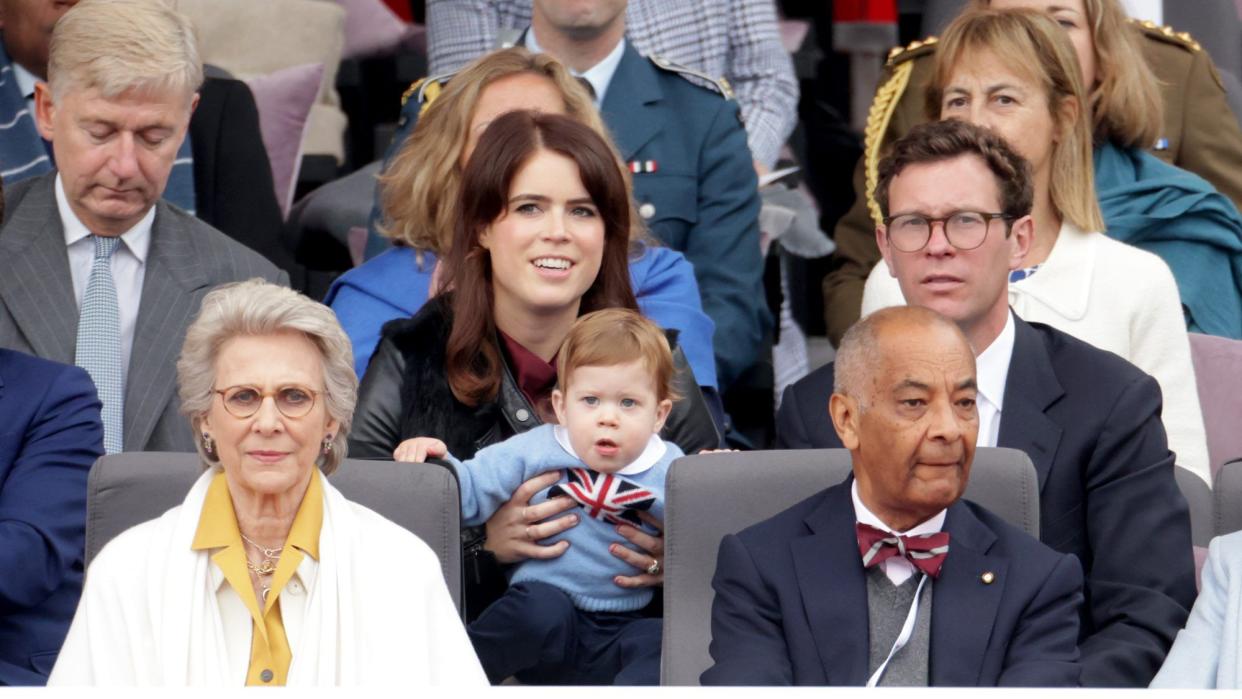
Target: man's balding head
[904, 405]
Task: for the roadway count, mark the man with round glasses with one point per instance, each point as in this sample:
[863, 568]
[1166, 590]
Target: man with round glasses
[957, 204]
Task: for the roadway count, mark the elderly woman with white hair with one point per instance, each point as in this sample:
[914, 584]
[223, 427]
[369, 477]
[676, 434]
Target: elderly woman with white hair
[265, 574]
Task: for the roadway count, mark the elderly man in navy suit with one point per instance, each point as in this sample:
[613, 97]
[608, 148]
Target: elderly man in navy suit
[888, 578]
[958, 204]
[50, 434]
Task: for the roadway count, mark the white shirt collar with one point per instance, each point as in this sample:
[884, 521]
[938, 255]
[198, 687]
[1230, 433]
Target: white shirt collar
[866, 516]
[137, 239]
[25, 80]
[599, 75]
[992, 365]
[653, 452]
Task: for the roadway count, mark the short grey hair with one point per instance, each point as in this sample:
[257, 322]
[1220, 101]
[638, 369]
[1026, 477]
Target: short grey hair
[859, 351]
[120, 45]
[254, 308]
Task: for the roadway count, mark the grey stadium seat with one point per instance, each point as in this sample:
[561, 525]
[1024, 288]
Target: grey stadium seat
[130, 488]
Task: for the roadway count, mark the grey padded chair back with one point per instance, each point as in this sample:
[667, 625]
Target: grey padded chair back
[1227, 493]
[133, 487]
[1199, 498]
[712, 495]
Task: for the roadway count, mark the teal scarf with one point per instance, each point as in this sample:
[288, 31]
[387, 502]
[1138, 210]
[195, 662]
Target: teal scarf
[1177, 215]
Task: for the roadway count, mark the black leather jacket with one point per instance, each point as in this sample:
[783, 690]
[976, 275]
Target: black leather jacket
[405, 393]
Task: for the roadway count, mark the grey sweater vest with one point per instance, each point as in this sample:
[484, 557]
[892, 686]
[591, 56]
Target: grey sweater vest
[887, 607]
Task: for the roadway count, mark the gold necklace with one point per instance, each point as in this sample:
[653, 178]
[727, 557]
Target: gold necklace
[264, 569]
[267, 553]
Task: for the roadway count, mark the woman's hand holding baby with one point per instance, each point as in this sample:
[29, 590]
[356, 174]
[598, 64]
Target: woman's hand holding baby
[651, 558]
[514, 531]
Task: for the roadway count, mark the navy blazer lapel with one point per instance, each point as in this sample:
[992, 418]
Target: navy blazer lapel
[170, 298]
[834, 591]
[1030, 388]
[633, 88]
[964, 606]
[35, 283]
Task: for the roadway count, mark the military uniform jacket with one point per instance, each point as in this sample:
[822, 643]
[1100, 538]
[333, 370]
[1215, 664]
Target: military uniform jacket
[1201, 134]
[695, 186]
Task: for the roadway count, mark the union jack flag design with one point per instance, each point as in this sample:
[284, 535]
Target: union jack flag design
[605, 496]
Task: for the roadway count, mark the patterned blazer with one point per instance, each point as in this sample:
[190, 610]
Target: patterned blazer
[39, 314]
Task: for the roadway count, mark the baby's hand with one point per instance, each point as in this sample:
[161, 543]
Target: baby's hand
[419, 449]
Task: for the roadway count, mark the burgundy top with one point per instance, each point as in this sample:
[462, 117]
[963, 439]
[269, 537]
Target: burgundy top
[535, 377]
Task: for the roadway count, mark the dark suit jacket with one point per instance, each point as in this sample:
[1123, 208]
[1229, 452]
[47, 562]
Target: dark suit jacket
[233, 187]
[50, 434]
[39, 314]
[1090, 421]
[791, 603]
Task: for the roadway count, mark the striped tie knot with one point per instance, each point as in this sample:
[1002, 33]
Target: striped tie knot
[926, 552]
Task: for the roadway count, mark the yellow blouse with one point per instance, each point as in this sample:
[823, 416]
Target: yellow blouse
[217, 529]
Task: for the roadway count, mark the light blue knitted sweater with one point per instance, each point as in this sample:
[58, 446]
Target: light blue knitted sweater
[586, 571]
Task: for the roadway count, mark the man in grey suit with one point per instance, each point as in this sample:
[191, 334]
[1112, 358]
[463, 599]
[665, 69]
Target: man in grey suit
[95, 269]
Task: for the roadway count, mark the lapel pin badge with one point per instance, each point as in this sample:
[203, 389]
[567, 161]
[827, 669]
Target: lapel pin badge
[988, 577]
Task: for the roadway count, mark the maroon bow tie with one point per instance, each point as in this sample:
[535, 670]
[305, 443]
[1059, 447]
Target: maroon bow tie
[925, 551]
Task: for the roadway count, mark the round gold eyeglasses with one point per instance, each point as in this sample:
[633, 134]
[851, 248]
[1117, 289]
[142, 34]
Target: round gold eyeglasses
[291, 401]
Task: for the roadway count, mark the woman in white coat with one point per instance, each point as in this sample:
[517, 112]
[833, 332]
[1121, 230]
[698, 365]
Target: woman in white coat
[266, 575]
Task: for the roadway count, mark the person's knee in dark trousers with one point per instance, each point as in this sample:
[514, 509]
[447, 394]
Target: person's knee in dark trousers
[639, 650]
[532, 625]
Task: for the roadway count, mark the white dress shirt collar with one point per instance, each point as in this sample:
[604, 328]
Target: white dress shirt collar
[992, 372]
[897, 569]
[599, 75]
[128, 266]
[653, 452]
[137, 239]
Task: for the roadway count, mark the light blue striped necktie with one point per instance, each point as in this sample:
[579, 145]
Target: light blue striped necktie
[99, 341]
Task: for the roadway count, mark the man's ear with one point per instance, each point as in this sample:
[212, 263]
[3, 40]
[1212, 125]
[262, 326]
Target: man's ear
[45, 109]
[1021, 235]
[843, 411]
[881, 242]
